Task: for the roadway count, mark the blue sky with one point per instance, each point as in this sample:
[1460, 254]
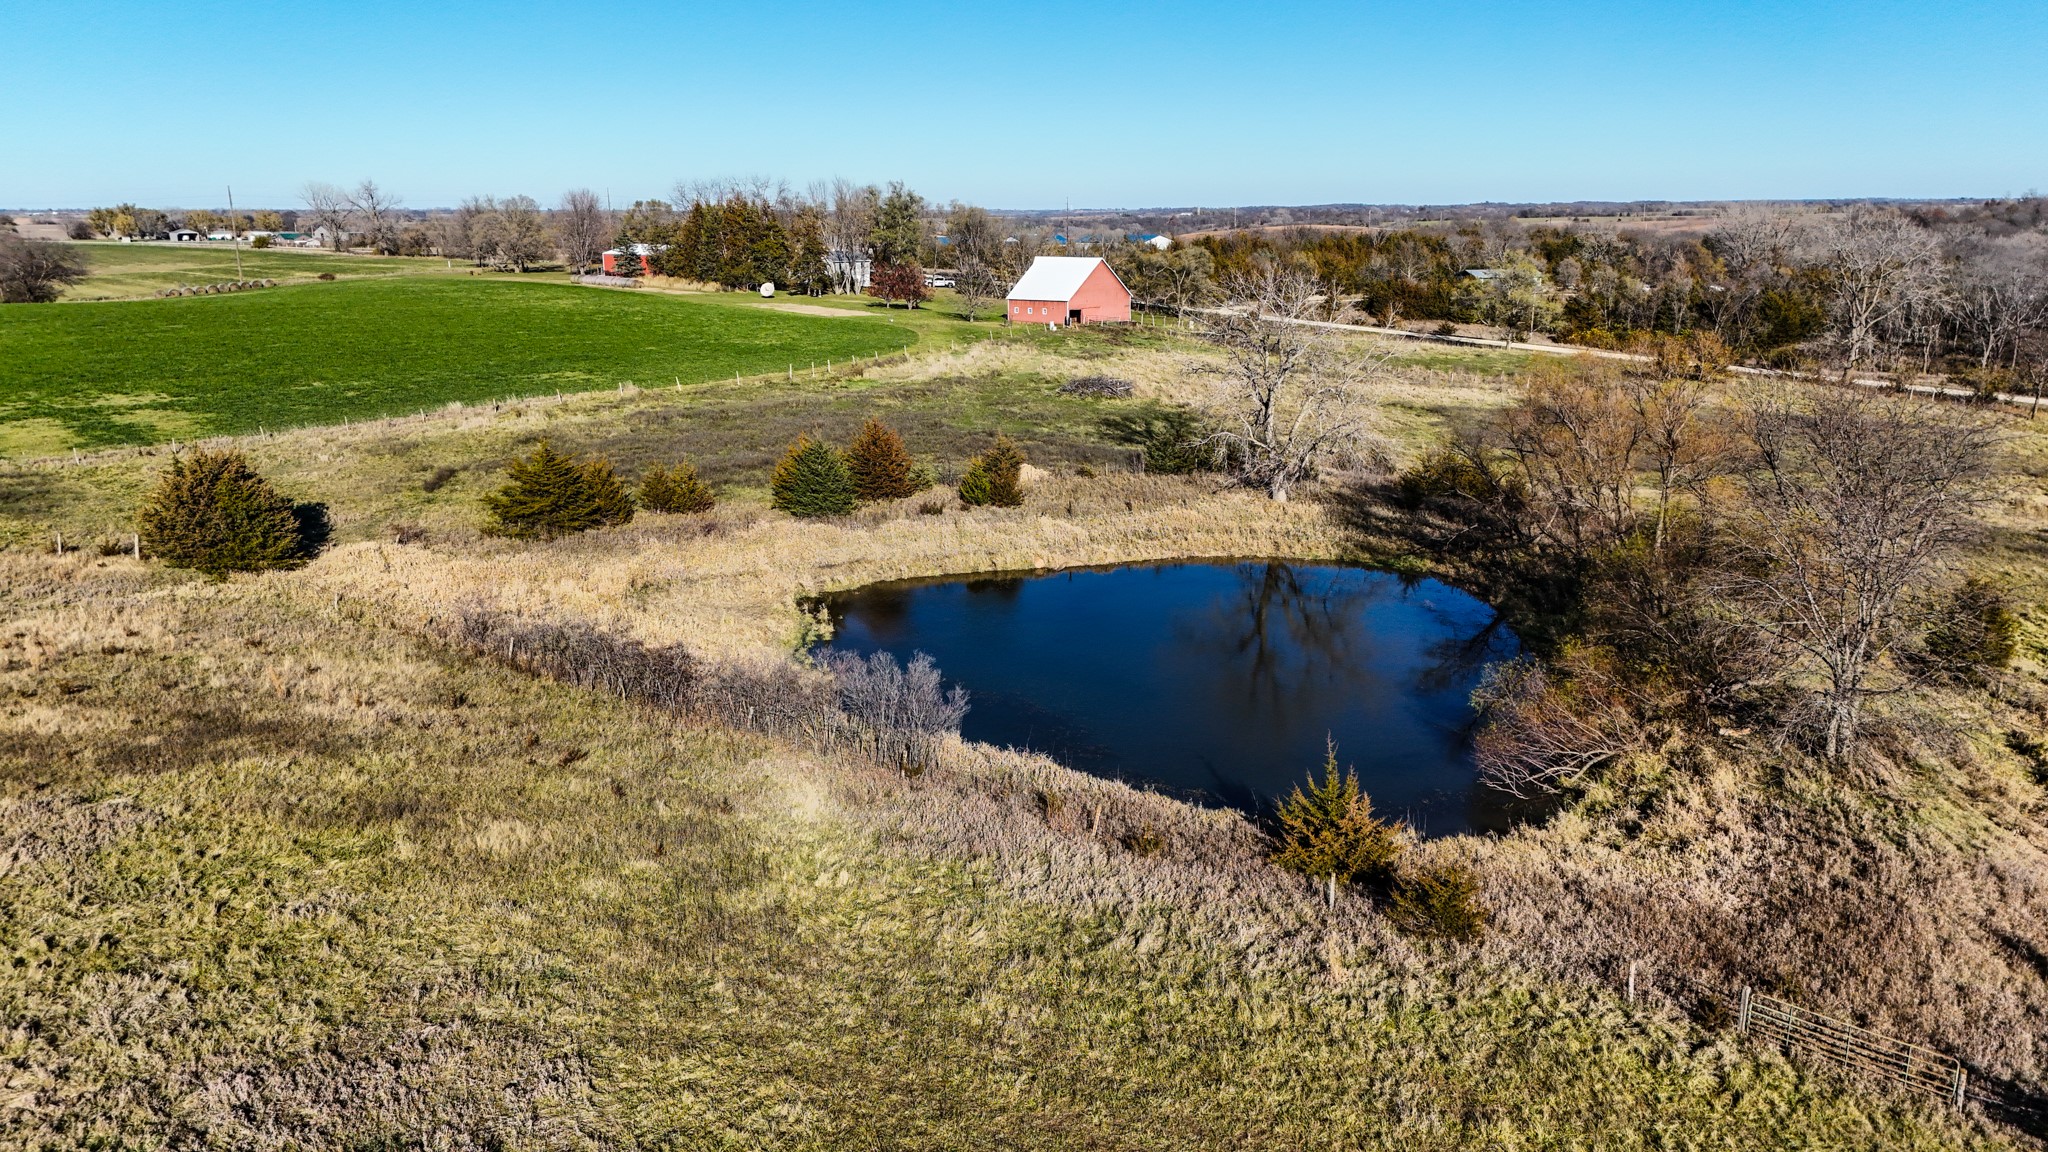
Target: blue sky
[1134, 104]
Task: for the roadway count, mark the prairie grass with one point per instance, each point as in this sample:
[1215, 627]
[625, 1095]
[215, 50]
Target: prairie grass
[375, 892]
[282, 866]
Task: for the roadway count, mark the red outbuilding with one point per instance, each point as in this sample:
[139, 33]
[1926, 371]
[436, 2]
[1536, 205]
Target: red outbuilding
[1069, 290]
[612, 256]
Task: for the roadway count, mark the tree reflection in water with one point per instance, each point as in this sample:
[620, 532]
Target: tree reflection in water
[1222, 679]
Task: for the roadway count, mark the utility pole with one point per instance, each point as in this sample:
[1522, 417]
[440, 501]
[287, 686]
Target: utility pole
[235, 232]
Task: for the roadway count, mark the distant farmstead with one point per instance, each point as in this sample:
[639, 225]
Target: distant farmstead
[1069, 290]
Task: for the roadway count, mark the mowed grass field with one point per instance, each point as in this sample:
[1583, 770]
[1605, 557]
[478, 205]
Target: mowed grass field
[116, 271]
[146, 371]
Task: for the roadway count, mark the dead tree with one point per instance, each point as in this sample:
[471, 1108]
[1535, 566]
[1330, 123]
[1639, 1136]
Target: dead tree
[1292, 397]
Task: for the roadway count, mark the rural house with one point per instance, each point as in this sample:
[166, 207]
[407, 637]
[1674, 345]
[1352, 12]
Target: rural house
[1069, 290]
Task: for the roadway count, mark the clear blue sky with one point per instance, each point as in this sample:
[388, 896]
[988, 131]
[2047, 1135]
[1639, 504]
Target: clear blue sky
[1131, 104]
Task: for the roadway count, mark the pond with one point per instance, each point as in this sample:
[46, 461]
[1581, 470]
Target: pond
[1215, 680]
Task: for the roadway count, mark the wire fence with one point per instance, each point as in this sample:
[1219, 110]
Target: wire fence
[1806, 1034]
[1823, 1037]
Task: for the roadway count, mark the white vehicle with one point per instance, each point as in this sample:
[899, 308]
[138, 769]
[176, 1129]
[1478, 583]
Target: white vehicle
[938, 282]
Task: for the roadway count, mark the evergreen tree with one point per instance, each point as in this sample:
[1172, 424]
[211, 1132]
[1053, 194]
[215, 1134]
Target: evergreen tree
[812, 481]
[675, 489]
[627, 263]
[808, 271]
[1437, 903]
[1328, 831]
[880, 464]
[213, 513]
[700, 242]
[550, 494]
[609, 500]
[996, 477]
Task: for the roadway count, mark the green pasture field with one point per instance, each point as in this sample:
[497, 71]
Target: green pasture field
[117, 271]
[146, 371]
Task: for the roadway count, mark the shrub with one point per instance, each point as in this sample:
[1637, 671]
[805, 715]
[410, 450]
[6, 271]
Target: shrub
[996, 477]
[1173, 443]
[1446, 473]
[675, 489]
[1437, 903]
[259, 242]
[1145, 841]
[880, 465]
[213, 513]
[552, 494]
[1107, 387]
[812, 481]
[905, 711]
[1328, 831]
[1975, 632]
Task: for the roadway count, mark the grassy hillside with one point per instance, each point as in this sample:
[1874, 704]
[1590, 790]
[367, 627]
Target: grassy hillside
[283, 872]
[285, 864]
[145, 371]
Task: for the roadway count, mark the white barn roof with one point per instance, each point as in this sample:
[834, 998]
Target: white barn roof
[1054, 277]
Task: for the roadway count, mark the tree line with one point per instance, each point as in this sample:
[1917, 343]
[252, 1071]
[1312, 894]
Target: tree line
[1855, 289]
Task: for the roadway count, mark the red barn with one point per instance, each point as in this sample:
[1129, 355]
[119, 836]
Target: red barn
[1069, 290]
[643, 251]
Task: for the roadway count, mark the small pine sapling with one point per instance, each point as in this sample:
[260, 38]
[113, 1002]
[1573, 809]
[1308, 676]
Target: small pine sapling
[994, 478]
[675, 489]
[812, 481]
[551, 493]
[1328, 832]
[881, 466]
[213, 513]
[1437, 903]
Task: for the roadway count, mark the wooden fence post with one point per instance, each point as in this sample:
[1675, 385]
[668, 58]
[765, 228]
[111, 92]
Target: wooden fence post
[1631, 981]
[1962, 1082]
[1742, 1015]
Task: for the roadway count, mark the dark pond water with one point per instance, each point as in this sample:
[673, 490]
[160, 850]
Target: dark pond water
[1217, 679]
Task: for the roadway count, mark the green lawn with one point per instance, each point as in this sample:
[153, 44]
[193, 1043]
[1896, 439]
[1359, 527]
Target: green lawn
[117, 271]
[88, 375]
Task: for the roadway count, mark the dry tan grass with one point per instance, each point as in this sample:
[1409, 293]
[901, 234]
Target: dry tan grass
[301, 721]
[732, 583]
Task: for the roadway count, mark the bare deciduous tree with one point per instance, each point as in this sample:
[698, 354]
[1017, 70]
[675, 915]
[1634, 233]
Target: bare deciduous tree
[327, 206]
[377, 211]
[848, 229]
[975, 248]
[2001, 294]
[1855, 501]
[585, 228]
[1293, 397]
[1878, 265]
